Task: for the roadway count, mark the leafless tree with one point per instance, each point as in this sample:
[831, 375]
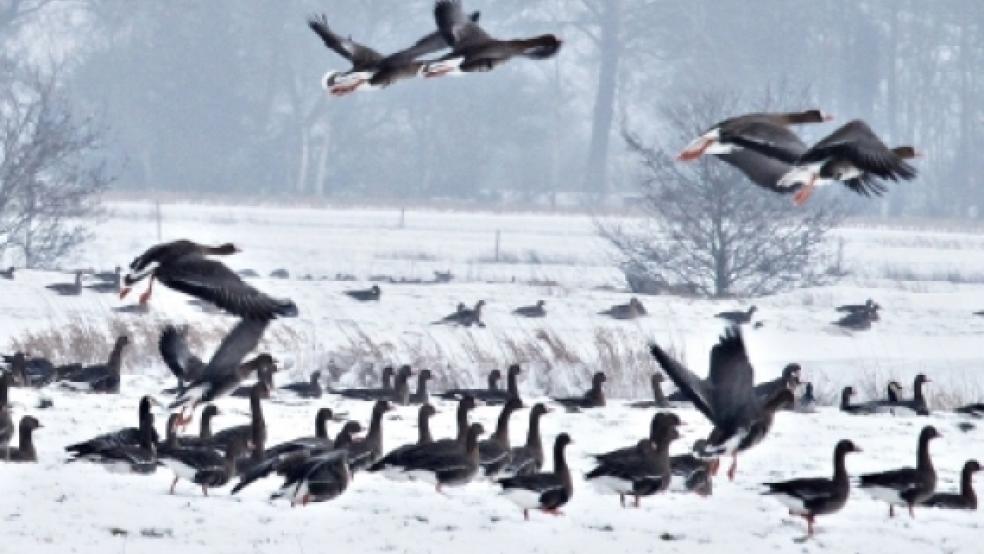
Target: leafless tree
[711, 231]
[51, 178]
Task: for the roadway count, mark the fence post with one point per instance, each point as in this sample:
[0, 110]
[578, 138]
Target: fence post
[498, 240]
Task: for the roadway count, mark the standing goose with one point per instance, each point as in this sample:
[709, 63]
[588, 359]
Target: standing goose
[185, 460]
[6, 421]
[173, 346]
[535, 311]
[393, 462]
[183, 265]
[364, 453]
[593, 398]
[976, 409]
[400, 394]
[225, 371]
[906, 486]
[412, 456]
[847, 406]
[528, 459]
[449, 468]
[264, 374]
[644, 473]
[68, 289]
[472, 49]
[421, 396]
[812, 497]
[729, 136]
[512, 388]
[790, 379]
[690, 473]
[490, 391]
[494, 451]
[966, 499]
[204, 438]
[255, 433]
[659, 399]
[24, 452]
[306, 389]
[367, 295]
[807, 403]
[868, 305]
[727, 398]
[213, 476]
[546, 492]
[103, 378]
[119, 456]
[738, 318]
[126, 437]
[385, 390]
[657, 428]
[315, 479]
[916, 405]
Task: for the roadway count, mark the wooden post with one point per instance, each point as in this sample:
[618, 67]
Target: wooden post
[498, 240]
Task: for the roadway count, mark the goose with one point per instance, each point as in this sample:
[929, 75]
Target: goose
[315, 479]
[535, 311]
[127, 437]
[738, 318]
[393, 462]
[868, 305]
[8, 273]
[306, 389]
[68, 289]
[35, 372]
[204, 438]
[202, 465]
[421, 396]
[906, 486]
[807, 403]
[658, 426]
[494, 452]
[966, 499]
[528, 459]
[812, 497]
[858, 321]
[472, 49]
[725, 136]
[385, 391]
[593, 398]
[690, 473]
[976, 409]
[253, 434]
[512, 388]
[364, 453]
[264, 374]
[367, 295]
[370, 69]
[24, 452]
[490, 391]
[547, 492]
[790, 379]
[659, 399]
[183, 265]
[632, 310]
[104, 378]
[741, 419]
[463, 316]
[916, 405]
[856, 409]
[644, 473]
[413, 455]
[173, 346]
[225, 370]
[448, 468]
[109, 282]
[121, 456]
[6, 421]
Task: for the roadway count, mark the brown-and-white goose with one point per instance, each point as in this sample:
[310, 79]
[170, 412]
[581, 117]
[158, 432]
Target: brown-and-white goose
[730, 136]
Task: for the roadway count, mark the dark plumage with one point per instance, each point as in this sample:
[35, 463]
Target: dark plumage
[183, 265]
[807, 402]
[490, 391]
[68, 289]
[692, 474]
[7, 273]
[6, 421]
[536, 311]
[528, 459]
[546, 492]
[393, 462]
[254, 434]
[306, 389]
[384, 392]
[173, 346]
[659, 399]
[463, 316]
[593, 398]
[264, 374]
[412, 456]
[123, 439]
[790, 379]
[494, 452]
[421, 396]
[631, 310]
[813, 497]
[472, 49]
[448, 467]
[24, 451]
[727, 398]
[315, 478]
[907, 486]
[859, 320]
[366, 295]
[738, 318]
[966, 499]
[869, 305]
[364, 453]
[199, 464]
[731, 135]
[103, 378]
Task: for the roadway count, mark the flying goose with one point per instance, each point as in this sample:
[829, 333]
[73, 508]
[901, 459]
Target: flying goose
[723, 137]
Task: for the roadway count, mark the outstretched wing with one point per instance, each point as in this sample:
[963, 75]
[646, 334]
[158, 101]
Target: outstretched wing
[858, 144]
[178, 357]
[362, 57]
[457, 29]
[241, 340]
[732, 379]
[689, 384]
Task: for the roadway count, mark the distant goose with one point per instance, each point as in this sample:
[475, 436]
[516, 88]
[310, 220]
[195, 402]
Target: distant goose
[364, 453]
[369, 67]
[490, 391]
[463, 316]
[412, 456]
[790, 379]
[729, 136]
[127, 437]
[6, 421]
[546, 492]
[659, 399]
[537, 310]
[528, 459]
[254, 434]
[182, 265]
[367, 295]
[306, 389]
[644, 473]
[34, 372]
[975, 410]
[68, 289]
[858, 321]
[109, 282]
[315, 479]
[512, 388]
[264, 374]
[101, 378]
[738, 318]
[7, 273]
[494, 452]
[869, 305]
[812, 497]
[472, 49]
[907, 486]
[916, 405]
[400, 394]
[173, 346]
[966, 499]
[857, 409]
[225, 370]
[631, 310]
[741, 419]
[393, 462]
[421, 395]
[24, 452]
[807, 403]
[385, 391]
[593, 398]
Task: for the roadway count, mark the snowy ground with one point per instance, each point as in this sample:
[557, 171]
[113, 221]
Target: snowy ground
[927, 326]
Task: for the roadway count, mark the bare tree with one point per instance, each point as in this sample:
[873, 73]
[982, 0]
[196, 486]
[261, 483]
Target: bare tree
[710, 230]
[51, 178]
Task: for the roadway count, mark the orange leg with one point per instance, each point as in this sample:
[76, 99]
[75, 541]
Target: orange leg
[145, 297]
[803, 194]
[733, 468]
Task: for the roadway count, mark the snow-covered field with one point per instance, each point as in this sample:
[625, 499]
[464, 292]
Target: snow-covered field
[926, 326]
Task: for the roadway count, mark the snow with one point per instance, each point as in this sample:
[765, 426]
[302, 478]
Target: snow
[926, 326]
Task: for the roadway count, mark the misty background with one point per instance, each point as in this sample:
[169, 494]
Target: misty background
[223, 97]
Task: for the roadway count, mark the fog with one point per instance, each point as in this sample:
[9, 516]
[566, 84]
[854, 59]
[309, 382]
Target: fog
[223, 96]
